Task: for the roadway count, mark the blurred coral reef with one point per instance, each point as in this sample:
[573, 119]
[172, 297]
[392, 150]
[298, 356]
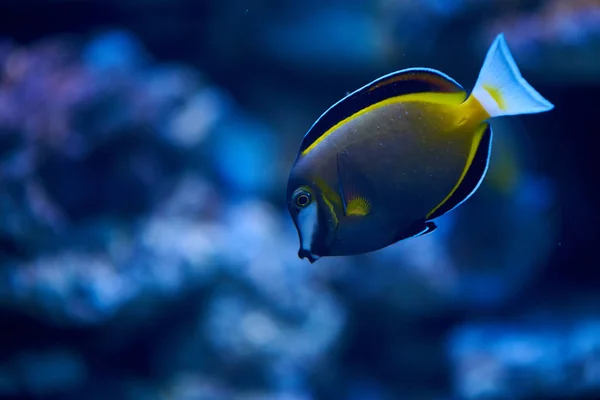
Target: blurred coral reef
[145, 246]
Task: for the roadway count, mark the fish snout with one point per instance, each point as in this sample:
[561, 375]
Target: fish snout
[303, 253]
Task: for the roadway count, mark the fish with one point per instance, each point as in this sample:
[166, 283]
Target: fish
[387, 160]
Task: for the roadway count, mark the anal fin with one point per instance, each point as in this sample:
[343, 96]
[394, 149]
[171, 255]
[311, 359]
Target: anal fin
[430, 226]
[418, 228]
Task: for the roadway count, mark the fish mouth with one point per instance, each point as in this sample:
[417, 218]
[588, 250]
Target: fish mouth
[303, 253]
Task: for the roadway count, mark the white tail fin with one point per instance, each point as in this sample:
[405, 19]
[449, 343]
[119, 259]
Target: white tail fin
[501, 89]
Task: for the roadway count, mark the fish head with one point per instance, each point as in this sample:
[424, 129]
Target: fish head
[314, 218]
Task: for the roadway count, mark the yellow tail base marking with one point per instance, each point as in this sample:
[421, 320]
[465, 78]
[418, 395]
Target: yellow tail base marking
[471, 113]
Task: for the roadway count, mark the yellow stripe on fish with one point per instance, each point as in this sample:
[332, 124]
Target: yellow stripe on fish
[435, 98]
[474, 147]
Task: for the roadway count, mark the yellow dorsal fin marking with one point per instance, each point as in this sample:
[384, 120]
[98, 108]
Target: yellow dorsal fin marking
[496, 95]
[358, 206]
[474, 145]
[426, 97]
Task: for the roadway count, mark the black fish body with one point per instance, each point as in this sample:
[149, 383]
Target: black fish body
[422, 159]
[403, 150]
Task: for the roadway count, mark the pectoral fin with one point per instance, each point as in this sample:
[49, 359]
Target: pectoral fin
[354, 201]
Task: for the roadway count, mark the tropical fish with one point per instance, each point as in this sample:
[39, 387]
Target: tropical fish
[380, 165]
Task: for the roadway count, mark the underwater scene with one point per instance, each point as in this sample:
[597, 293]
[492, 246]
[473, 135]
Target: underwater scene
[299, 200]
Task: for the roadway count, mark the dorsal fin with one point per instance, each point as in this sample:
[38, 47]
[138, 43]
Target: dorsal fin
[406, 81]
[472, 179]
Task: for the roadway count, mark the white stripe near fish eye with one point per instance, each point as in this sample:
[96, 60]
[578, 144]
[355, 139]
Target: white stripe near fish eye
[308, 224]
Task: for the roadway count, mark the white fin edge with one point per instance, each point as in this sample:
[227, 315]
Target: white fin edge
[500, 87]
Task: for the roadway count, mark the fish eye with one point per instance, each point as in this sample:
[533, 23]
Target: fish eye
[302, 198]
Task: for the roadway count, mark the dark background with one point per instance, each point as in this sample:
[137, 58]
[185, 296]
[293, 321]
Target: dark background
[142, 257]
